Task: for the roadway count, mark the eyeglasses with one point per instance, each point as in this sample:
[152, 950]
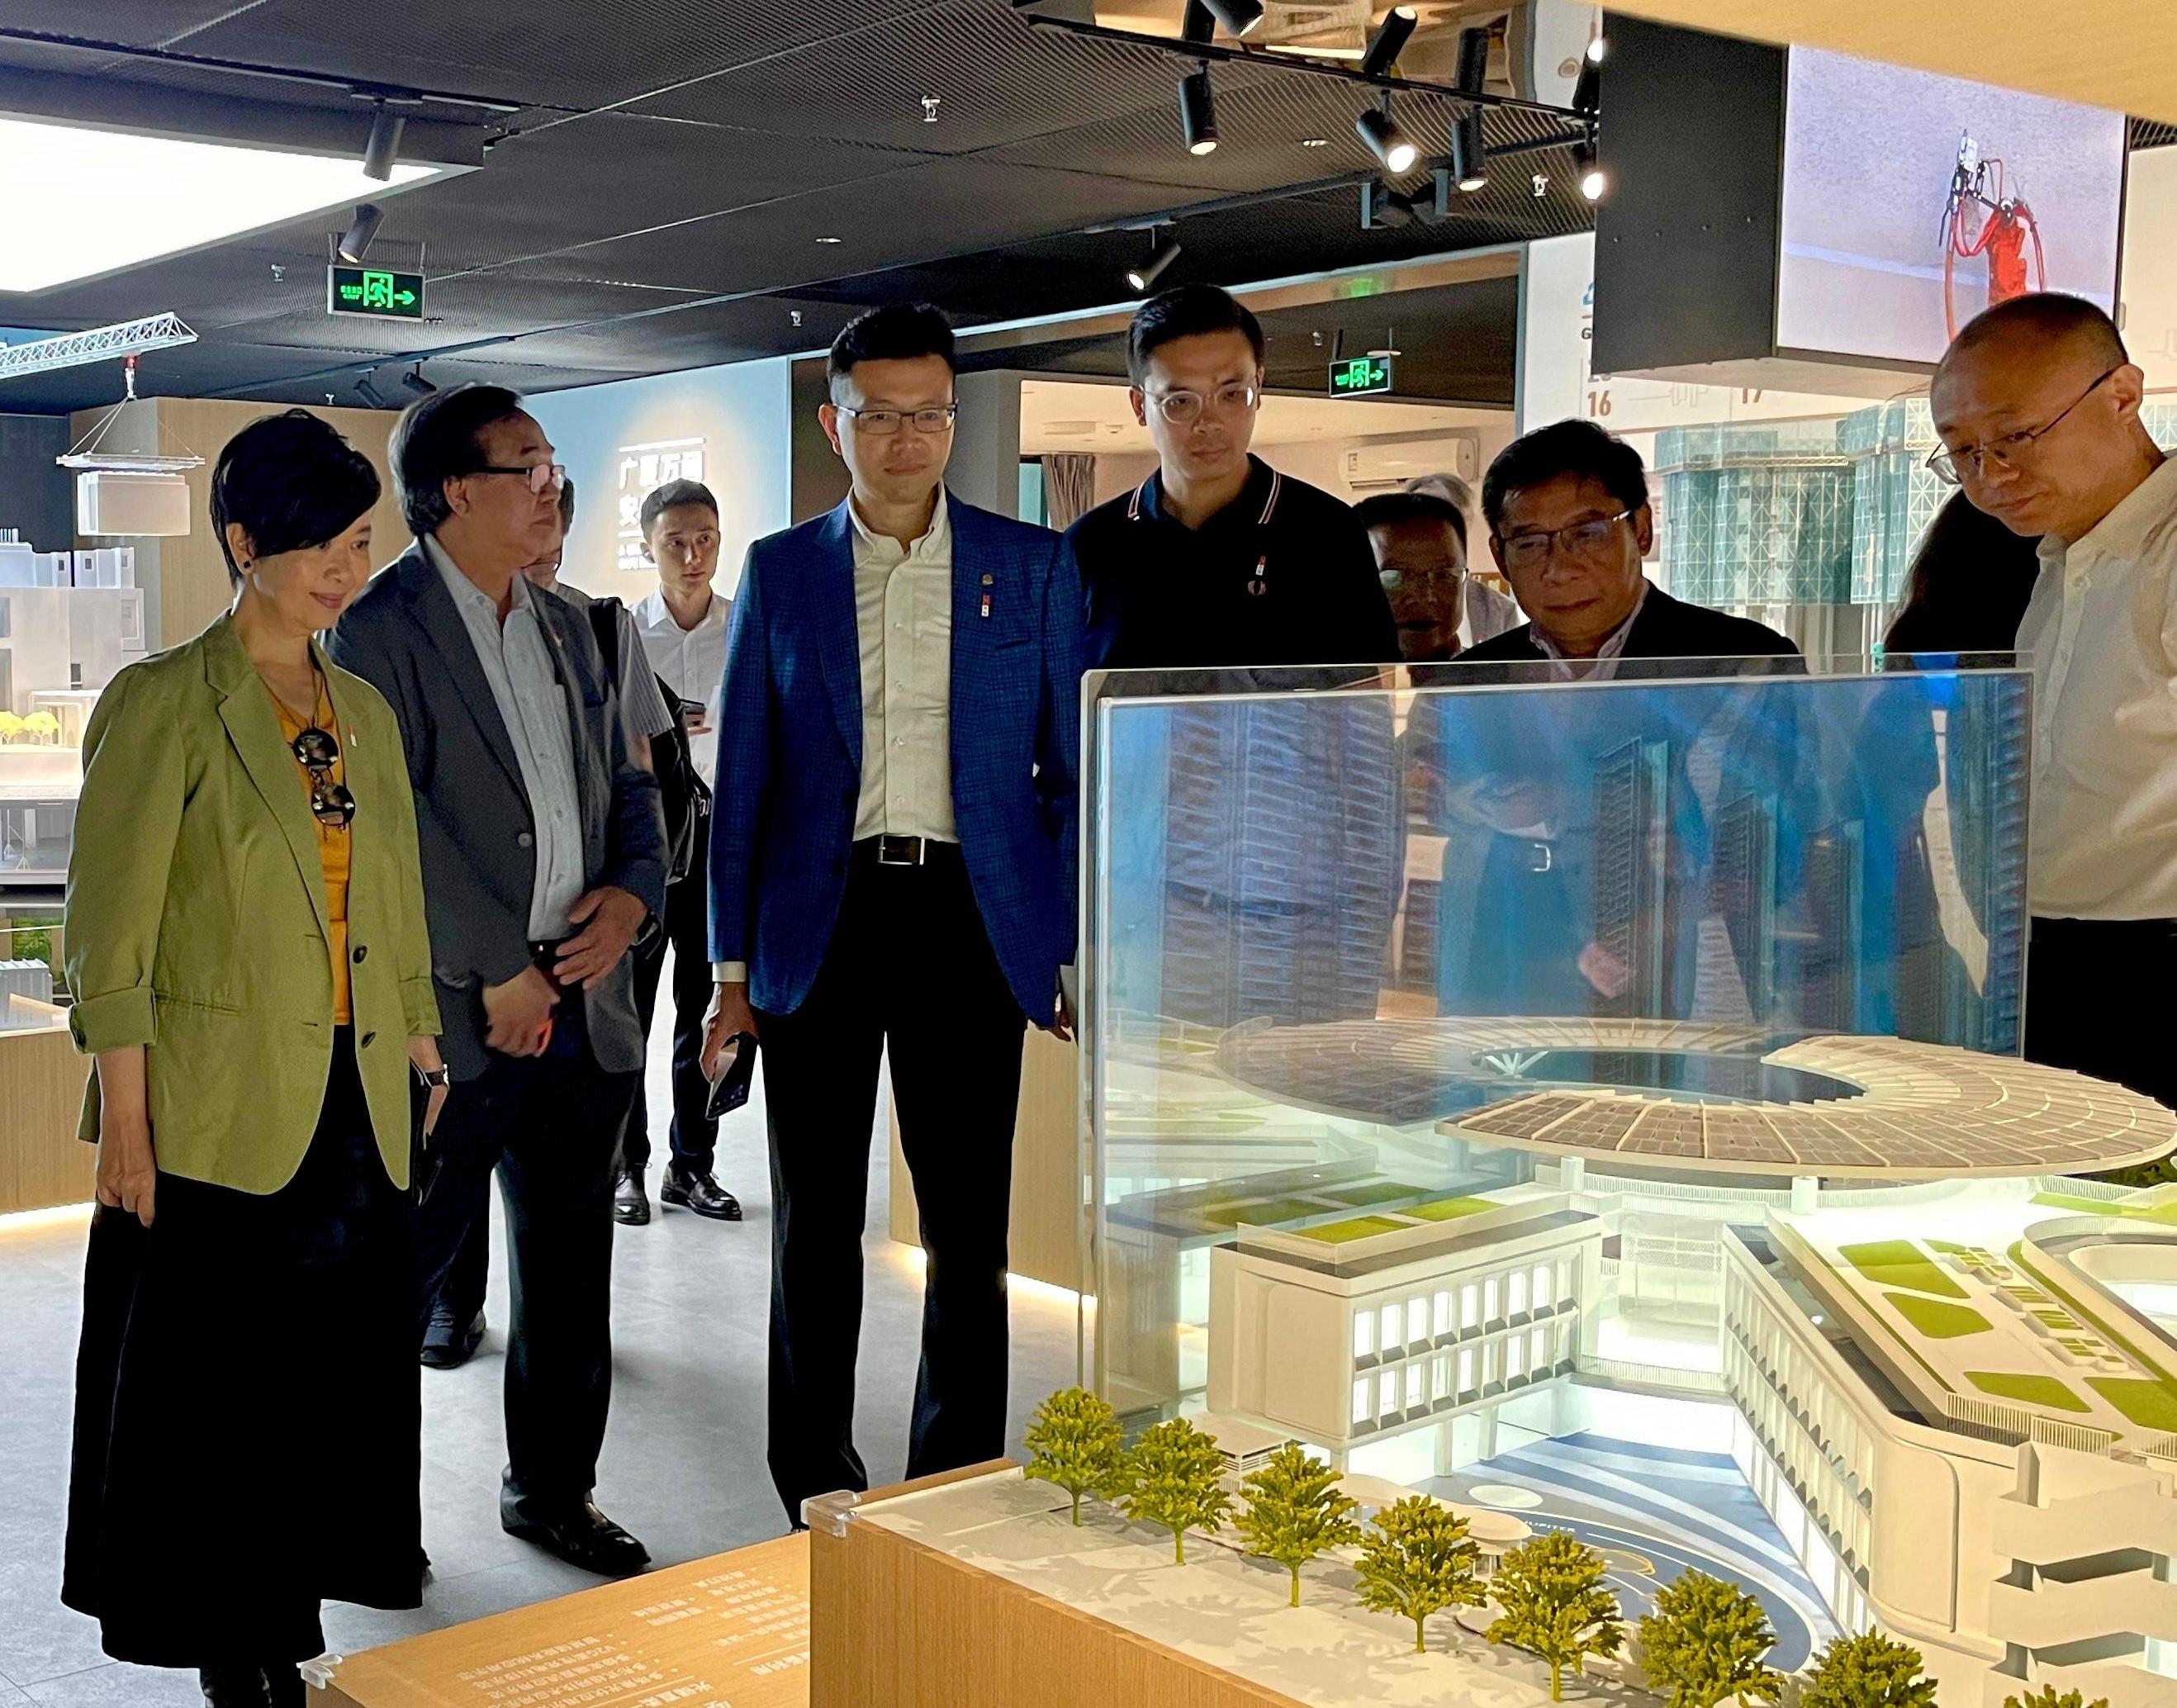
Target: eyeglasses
[1180, 407]
[330, 803]
[1952, 467]
[882, 424]
[1588, 539]
[542, 476]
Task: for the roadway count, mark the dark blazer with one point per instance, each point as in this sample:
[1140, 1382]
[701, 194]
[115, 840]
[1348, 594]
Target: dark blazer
[405, 636]
[1666, 628]
[789, 774]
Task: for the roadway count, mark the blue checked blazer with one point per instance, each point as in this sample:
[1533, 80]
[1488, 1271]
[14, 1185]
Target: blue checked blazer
[790, 751]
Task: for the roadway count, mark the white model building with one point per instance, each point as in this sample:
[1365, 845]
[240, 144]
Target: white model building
[1399, 1321]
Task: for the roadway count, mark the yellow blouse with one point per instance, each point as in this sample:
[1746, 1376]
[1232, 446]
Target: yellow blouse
[332, 849]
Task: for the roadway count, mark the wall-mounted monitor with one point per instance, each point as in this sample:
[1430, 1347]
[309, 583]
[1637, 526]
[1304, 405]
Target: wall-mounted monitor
[1805, 222]
[1913, 201]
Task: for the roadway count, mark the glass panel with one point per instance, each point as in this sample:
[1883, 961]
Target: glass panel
[1388, 1393]
[1361, 1410]
[1535, 1340]
[1440, 1376]
[1519, 1291]
[1417, 1328]
[1516, 1357]
[1413, 1386]
[1466, 1370]
[1364, 1334]
[1443, 1321]
[1336, 930]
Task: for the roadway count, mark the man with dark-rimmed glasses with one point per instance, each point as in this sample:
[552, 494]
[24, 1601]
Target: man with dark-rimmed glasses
[543, 855]
[1217, 561]
[2037, 406]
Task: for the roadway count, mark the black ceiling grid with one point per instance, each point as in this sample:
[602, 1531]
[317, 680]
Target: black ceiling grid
[738, 134]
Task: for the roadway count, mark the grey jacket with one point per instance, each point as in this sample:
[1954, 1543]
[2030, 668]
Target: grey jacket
[404, 636]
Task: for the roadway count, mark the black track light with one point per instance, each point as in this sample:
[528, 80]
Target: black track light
[355, 241]
[1587, 88]
[370, 394]
[1473, 69]
[1587, 162]
[415, 381]
[1237, 16]
[1197, 26]
[1385, 140]
[381, 153]
[1197, 112]
[1390, 36]
[1140, 280]
[1470, 159]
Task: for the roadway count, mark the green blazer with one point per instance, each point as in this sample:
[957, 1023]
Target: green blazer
[196, 921]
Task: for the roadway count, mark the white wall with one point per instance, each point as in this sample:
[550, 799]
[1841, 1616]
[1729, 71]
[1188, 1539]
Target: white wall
[739, 418]
[2150, 265]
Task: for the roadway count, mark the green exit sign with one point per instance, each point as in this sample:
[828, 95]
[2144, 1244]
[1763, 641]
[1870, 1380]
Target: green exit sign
[375, 291]
[1364, 376]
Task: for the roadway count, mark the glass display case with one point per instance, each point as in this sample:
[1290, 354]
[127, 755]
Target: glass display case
[1378, 969]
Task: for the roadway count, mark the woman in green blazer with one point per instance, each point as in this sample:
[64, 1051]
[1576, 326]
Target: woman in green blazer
[252, 971]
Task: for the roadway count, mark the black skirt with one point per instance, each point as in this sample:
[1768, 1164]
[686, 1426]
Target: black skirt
[248, 1408]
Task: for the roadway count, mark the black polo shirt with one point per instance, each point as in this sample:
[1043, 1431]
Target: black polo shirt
[1282, 576]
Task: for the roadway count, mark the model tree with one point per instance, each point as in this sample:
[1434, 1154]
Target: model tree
[1294, 1512]
[2046, 1697]
[1706, 1642]
[1418, 1560]
[1553, 1604]
[1173, 1478]
[1074, 1440]
[1867, 1671]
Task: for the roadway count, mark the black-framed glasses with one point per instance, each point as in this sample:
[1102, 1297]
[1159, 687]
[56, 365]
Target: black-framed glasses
[542, 476]
[330, 803]
[1951, 467]
[882, 424]
[1587, 539]
[1180, 407]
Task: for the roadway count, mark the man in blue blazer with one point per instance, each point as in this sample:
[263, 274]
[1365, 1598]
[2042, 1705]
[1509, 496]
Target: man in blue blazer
[892, 856]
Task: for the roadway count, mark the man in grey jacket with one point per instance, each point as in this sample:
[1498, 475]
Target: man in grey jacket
[544, 859]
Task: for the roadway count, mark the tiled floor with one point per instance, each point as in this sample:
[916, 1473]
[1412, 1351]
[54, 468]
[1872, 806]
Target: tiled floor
[683, 1464]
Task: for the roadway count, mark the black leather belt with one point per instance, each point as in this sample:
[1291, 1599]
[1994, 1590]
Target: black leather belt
[904, 850]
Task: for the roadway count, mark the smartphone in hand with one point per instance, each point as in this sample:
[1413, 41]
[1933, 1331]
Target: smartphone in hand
[736, 1074]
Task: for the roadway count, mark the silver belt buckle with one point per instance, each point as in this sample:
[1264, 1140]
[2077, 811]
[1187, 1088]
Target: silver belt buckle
[899, 850]
[1542, 857]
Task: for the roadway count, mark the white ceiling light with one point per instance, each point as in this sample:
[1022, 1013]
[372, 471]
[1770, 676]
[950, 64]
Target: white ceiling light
[80, 203]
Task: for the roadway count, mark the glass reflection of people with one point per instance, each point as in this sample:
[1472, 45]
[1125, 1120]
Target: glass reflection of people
[2038, 405]
[248, 950]
[1420, 543]
[1967, 587]
[1577, 840]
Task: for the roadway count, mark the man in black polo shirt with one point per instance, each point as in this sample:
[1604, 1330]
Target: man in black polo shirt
[1218, 561]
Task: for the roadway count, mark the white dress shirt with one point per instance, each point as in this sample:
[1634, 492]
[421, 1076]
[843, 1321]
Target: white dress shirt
[518, 663]
[693, 663]
[903, 614]
[2100, 631]
[643, 712]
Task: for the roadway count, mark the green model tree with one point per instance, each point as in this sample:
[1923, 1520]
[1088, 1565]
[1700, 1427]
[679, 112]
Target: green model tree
[1704, 1644]
[1418, 1560]
[1869, 1672]
[1553, 1605]
[1074, 1440]
[1173, 1478]
[1294, 1512]
[2046, 1697]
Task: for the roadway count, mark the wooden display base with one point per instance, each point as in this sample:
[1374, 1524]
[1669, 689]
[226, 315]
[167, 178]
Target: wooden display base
[895, 1624]
[727, 1632]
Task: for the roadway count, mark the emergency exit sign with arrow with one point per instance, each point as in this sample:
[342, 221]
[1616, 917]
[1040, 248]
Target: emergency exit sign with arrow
[375, 292]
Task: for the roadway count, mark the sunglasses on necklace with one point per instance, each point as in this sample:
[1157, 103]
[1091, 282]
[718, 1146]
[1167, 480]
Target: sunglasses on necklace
[330, 803]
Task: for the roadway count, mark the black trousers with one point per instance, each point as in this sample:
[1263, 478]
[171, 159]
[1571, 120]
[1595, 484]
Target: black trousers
[548, 1125]
[2098, 1001]
[909, 970]
[694, 1135]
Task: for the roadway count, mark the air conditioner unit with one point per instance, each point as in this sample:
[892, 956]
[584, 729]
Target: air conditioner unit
[1387, 465]
[110, 502]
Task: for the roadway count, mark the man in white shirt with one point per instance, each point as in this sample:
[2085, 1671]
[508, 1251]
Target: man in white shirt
[682, 628]
[2037, 406]
[892, 853]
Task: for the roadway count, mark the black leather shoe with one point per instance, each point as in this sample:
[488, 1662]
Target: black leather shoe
[630, 1203]
[701, 1193]
[581, 1536]
[449, 1343]
[234, 1687]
